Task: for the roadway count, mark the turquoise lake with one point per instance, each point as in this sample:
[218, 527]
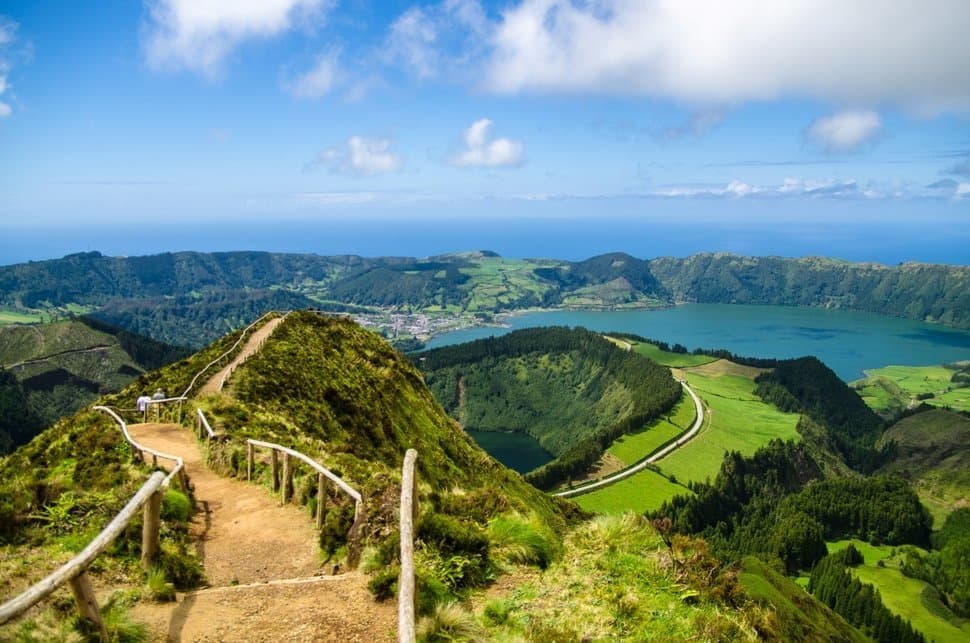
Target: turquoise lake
[848, 342]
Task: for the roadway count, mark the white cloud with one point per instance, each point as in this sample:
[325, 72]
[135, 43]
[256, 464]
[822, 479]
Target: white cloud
[199, 34]
[431, 39]
[845, 131]
[481, 152]
[8, 35]
[361, 156]
[317, 81]
[907, 52]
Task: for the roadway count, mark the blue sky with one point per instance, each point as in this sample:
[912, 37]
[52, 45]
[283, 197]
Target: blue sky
[245, 112]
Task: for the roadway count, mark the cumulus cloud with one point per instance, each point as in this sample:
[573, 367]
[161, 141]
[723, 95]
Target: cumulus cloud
[479, 151]
[317, 81]
[845, 131]
[199, 34]
[435, 38]
[361, 156]
[906, 52]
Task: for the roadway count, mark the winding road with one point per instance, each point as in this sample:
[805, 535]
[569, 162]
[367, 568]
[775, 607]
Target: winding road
[643, 464]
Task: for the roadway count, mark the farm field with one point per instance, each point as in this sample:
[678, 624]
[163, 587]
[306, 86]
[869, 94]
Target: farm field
[641, 492]
[635, 446]
[893, 388]
[907, 597]
[13, 317]
[666, 358]
[737, 421]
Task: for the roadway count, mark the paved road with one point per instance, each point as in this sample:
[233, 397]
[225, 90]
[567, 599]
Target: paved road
[640, 466]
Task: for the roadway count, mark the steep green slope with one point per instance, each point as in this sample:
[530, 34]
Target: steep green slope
[572, 390]
[63, 366]
[932, 450]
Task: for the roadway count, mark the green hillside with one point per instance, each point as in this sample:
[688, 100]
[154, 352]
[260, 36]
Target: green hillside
[63, 366]
[190, 298]
[932, 449]
[572, 390]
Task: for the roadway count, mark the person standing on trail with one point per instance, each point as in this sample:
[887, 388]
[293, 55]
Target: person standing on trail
[142, 403]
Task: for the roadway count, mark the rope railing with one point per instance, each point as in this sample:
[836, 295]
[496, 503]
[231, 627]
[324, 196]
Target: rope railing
[242, 336]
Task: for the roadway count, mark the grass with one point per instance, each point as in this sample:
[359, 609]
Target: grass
[800, 617]
[666, 358]
[641, 492]
[902, 595]
[934, 451]
[737, 421]
[633, 447]
[614, 582]
[893, 388]
[15, 317]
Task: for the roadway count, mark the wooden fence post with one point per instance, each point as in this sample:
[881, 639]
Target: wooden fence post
[87, 602]
[275, 466]
[150, 528]
[287, 479]
[321, 499]
[405, 596]
[250, 457]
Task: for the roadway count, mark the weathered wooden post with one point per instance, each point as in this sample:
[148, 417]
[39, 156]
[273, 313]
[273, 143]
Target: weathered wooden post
[150, 528]
[287, 479]
[250, 458]
[87, 602]
[275, 468]
[405, 595]
[321, 499]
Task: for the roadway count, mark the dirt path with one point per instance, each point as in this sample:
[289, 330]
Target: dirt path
[246, 538]
[252, 345]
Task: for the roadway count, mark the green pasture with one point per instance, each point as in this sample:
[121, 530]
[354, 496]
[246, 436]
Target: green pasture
[910, 598]
[737, 421]
[16, 317]
[633, 447]
[666, 358]
[891, 388]
[643, 491]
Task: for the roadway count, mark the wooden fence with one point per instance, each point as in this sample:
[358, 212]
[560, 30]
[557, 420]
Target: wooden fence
[74, 572]
[283, 482]
[229, 352]
[405, 584]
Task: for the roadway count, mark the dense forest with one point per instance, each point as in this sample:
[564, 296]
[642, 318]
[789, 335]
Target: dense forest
[124, 290]
[572, 390]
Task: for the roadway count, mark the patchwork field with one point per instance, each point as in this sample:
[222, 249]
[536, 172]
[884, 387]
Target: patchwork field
[737, 421]
[893, 388]
[910, 598]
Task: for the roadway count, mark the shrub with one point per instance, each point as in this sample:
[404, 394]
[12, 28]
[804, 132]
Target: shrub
[159, 588]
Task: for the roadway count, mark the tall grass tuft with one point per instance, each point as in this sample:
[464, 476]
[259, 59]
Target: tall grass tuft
[449, 622]
[525, 540]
